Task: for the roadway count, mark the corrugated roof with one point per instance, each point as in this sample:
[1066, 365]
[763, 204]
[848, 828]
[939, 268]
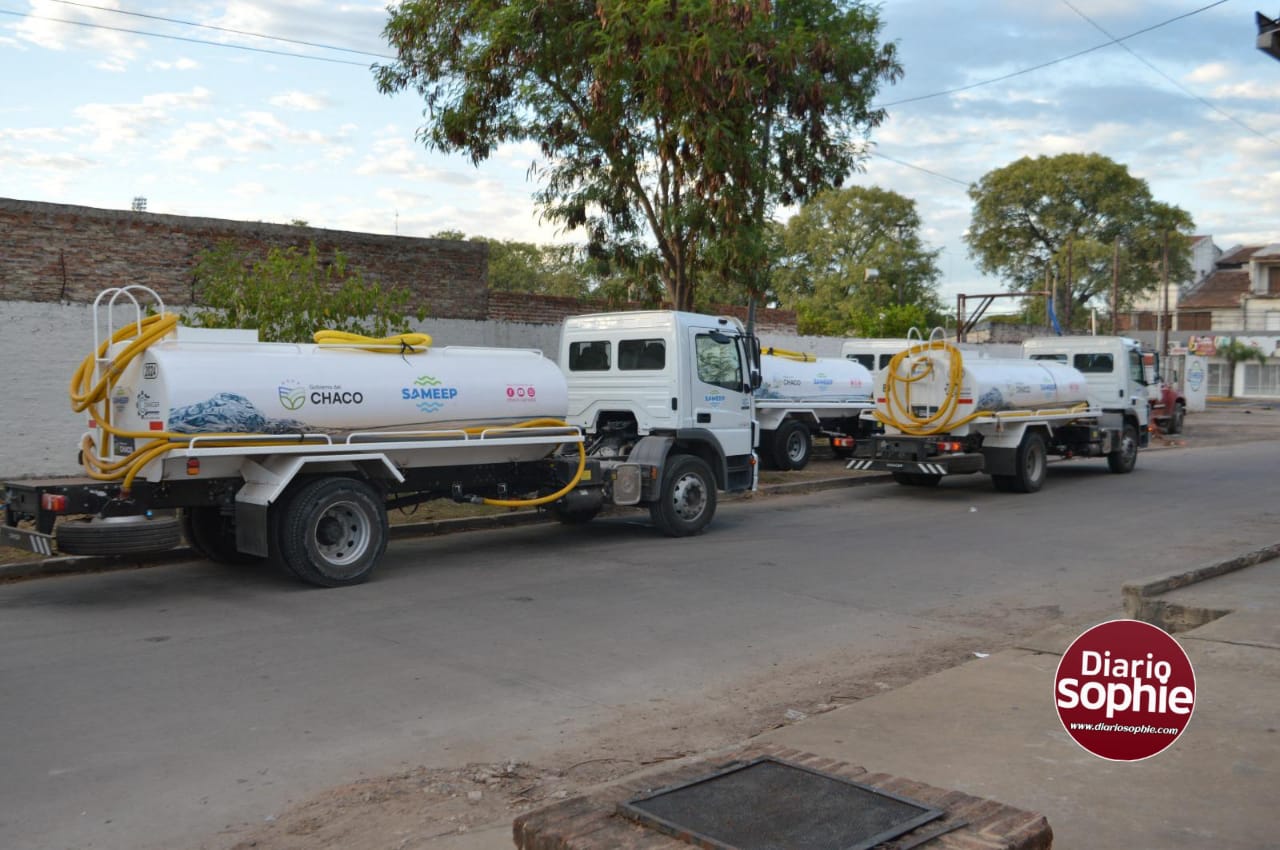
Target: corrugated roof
[1239, 255]
[1268, 252]
[1221, 289]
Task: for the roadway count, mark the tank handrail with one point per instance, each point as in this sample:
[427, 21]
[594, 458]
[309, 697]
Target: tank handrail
[374, 436]
[500, 431]
[115, 292]
[939, 332]
[323, 439]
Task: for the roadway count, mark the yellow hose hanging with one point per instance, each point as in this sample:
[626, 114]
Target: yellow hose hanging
[86, 394]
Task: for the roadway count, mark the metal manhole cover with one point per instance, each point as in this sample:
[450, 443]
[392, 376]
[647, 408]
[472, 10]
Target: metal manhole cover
[768, 804]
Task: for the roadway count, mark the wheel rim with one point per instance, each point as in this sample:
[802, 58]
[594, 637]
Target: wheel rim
[795, 447]
[1129, 446]
[689, 496]
[341, 534]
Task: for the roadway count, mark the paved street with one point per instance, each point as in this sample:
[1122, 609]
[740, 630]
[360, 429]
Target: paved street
[156, 708]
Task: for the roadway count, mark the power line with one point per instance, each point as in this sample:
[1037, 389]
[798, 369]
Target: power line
[223, 29]
[185, 39]
[1060, 59]
[1177, 84]
[906, 164]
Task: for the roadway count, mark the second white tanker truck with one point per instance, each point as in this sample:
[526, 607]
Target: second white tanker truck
[800, 396]
[944, 414]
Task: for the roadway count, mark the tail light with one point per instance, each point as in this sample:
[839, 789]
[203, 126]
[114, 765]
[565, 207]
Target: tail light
[53, 502]
[949, 446]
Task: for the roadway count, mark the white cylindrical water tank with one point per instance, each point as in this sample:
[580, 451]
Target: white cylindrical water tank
[986, 384]
[821, 380]
[278, 388]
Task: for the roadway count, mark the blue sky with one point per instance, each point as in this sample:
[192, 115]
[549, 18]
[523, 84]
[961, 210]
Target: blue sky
[95, 117]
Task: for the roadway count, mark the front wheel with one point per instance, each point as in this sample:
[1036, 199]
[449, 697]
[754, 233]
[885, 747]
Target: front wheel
[332, 532]
[687, 501]
[1124, 458]
[1176, 419]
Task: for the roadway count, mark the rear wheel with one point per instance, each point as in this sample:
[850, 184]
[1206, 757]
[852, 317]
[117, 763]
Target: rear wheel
[792, 445]
[332, 531]
[687, 501]
[1030, 463]
[213, 535]
[1125, 457]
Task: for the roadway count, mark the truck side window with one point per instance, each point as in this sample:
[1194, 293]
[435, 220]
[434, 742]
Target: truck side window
[636, 354]
[589, 356]
[884, 359]
[867, 360]
[1136, 373]
[1094, 364]
[718, 362]
[1057, 358]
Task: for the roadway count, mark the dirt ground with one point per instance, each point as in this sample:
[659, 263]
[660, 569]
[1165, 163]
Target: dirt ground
[431, 804]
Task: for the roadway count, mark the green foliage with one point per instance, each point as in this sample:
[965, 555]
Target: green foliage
[291, 294]
[826, 253]
[1235, 352]
[1031, 215]
[677, 124]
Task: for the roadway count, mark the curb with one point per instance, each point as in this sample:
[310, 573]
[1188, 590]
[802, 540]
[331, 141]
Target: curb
[78, 564]
[1141, 600]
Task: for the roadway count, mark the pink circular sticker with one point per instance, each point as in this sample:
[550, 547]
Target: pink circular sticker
[1125, 690]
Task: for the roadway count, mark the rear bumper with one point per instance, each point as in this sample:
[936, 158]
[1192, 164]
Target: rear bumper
[961, 464]
[31, 541]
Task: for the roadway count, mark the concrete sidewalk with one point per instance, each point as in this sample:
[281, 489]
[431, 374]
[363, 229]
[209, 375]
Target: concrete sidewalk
[989, 728]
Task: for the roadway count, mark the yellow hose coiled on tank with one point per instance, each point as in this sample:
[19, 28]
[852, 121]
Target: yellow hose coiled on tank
[86, 394]
[919, 365]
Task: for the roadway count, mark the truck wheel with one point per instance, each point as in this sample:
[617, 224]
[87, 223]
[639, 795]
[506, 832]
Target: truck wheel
[332, 531]
[1174, 425]
[688, 498]
[1030, 463]
[792, 445]
[126, 535]
[213, 535]
[1123, 459]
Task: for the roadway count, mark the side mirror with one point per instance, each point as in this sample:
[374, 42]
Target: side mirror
[756, 379]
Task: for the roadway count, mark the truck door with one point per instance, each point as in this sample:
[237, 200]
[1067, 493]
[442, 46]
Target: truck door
[721, 397]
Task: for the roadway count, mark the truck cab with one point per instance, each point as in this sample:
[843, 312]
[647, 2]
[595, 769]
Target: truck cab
[648, 385]
[1113, 367]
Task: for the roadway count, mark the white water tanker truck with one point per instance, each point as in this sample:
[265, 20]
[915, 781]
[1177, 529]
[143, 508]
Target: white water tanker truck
[295, 453]
[800, 396]
[944, 414]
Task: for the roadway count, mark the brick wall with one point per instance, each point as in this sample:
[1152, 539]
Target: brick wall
[55, 252]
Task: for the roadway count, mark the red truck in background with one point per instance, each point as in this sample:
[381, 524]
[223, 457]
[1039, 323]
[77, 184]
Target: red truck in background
[1168, 405]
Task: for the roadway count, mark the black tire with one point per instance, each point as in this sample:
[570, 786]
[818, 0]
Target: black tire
[134, 535]
[1125, 458]
[766, 449]
[213, 535]
[687, 501]
[792, 445]
[1174, 425]
[1030, 463]
[1003, 483]
[331, 531]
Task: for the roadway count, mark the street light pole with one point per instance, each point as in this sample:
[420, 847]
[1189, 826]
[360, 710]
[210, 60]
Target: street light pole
[902, 231]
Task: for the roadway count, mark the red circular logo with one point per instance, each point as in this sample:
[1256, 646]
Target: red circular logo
[1125, 690]
[511, 392]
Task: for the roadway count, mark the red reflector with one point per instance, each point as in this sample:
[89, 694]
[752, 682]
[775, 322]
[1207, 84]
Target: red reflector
[964, 401]
[193, 466]
[950, 446]
[53, 502]
[156, 426]
[842, 442]
[93, 423]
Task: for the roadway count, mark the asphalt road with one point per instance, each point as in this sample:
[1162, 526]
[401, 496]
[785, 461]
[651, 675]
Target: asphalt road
[159, 707]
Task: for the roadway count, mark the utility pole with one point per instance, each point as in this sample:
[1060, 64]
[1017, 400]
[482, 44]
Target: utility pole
[1164, 299]
[1066, 301]
[1115, 288]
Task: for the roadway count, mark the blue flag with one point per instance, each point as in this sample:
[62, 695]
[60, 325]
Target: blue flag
[1053, 318]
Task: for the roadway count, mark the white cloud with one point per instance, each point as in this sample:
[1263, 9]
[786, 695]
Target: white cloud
[300, 101]
[57, 26]
[112, 124]
[1246, 90]
[183, 64]
[1212, 72]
